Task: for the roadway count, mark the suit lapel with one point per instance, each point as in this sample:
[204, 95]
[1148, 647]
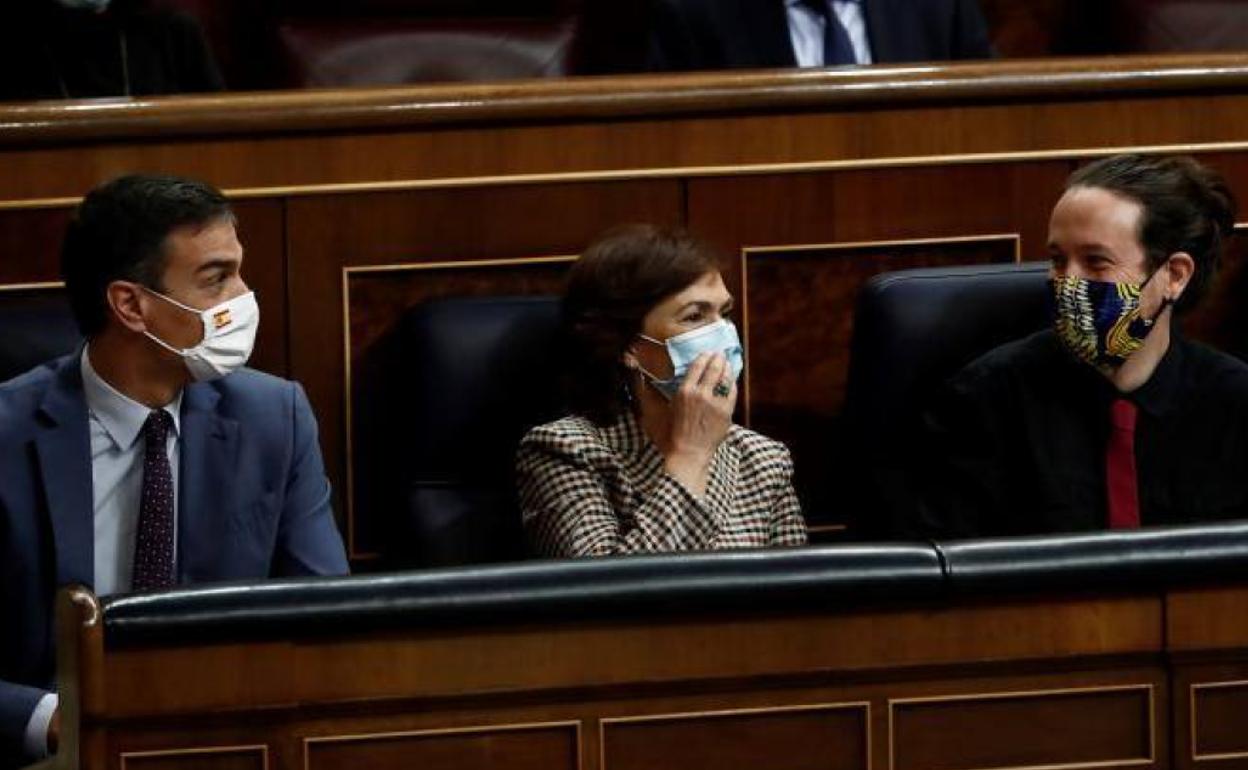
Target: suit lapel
[64, 451]
[206, 474]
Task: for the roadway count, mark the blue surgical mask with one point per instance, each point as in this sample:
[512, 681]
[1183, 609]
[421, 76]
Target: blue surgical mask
[716, 337]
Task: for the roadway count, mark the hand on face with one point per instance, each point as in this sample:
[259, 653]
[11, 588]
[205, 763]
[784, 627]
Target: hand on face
[702, 408]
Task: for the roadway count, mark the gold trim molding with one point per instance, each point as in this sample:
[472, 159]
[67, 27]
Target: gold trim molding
[692, 172]
[1194, 721]
[893, 703]
[684, 716]
[575, 725]
[261, 749]
[35, 286]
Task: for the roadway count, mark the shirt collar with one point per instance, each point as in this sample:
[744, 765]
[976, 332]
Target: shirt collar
[1158, 396]
[121, 416]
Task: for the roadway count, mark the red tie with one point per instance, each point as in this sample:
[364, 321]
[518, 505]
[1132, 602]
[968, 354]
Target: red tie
[1120, 482]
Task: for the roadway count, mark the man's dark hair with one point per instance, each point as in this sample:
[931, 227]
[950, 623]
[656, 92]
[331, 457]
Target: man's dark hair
[1186, 206]
[118, 234]
[611, 288]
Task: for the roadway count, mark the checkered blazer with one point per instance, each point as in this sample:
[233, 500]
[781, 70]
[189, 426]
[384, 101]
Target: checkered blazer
[586, 490]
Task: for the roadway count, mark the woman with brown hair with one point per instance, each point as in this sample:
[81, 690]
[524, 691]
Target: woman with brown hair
[650, 459]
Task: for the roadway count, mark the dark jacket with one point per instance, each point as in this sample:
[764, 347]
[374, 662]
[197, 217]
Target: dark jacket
[47, 52]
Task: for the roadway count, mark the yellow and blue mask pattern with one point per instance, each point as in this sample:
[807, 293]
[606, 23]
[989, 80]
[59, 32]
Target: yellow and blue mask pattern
[1099, 321]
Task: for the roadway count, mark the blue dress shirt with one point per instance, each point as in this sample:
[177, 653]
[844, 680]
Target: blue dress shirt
[116, 425]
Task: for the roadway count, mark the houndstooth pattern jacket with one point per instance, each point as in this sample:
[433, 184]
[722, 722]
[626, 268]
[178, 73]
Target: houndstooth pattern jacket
[587, 490]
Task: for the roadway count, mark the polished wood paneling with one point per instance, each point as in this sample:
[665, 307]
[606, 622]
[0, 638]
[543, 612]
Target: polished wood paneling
[527, 658]
[949, 684]
[503, 747]
[1093, 727]
[884, 204]
[1207, 619]
[809, 738]
[1206, 630]
[262, 231]
[1221, 319]
[225, 758]
[30, 244]
[582, 98]
[1219, 718]
[689, 146]
[1208, 709]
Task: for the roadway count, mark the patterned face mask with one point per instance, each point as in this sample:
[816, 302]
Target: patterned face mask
[1099, 321]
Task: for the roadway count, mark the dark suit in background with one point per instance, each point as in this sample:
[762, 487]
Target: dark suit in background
[754, 34]
[50, 52]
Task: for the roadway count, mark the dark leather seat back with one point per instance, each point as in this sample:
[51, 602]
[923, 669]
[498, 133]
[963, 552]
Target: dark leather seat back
[35, 327]
[913, 329]
[392, 42]
[321, 53]
[480, 372]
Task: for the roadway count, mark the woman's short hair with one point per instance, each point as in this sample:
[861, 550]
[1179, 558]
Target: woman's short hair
[1186, 206]
[616, 282]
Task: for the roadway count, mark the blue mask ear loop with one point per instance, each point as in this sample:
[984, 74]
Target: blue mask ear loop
[650, 379]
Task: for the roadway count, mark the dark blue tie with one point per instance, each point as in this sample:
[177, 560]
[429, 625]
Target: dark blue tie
[838, 50]
[153, 545]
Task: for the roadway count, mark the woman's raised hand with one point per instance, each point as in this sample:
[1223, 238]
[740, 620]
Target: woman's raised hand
[701, 415]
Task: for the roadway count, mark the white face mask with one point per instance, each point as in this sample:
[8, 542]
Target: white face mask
[229, 335]
[99, 6]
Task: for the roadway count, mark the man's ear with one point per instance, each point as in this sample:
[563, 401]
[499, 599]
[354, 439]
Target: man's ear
[125, 302]
[1178, 273]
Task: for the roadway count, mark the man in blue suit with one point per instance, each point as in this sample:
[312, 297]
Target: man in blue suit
[151, 457]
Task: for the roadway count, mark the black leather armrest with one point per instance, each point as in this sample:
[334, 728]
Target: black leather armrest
[685, 585]
[1136, 559]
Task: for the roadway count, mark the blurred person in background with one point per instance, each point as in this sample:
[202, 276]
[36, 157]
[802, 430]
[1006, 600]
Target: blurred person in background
[760, 34]
[77, 49]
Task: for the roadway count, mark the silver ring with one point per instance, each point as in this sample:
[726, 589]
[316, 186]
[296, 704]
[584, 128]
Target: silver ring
[722, 389]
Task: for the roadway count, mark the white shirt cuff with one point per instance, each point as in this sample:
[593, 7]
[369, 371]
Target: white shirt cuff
[37, 728]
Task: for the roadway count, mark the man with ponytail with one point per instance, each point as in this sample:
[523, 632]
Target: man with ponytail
[1110, 419]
